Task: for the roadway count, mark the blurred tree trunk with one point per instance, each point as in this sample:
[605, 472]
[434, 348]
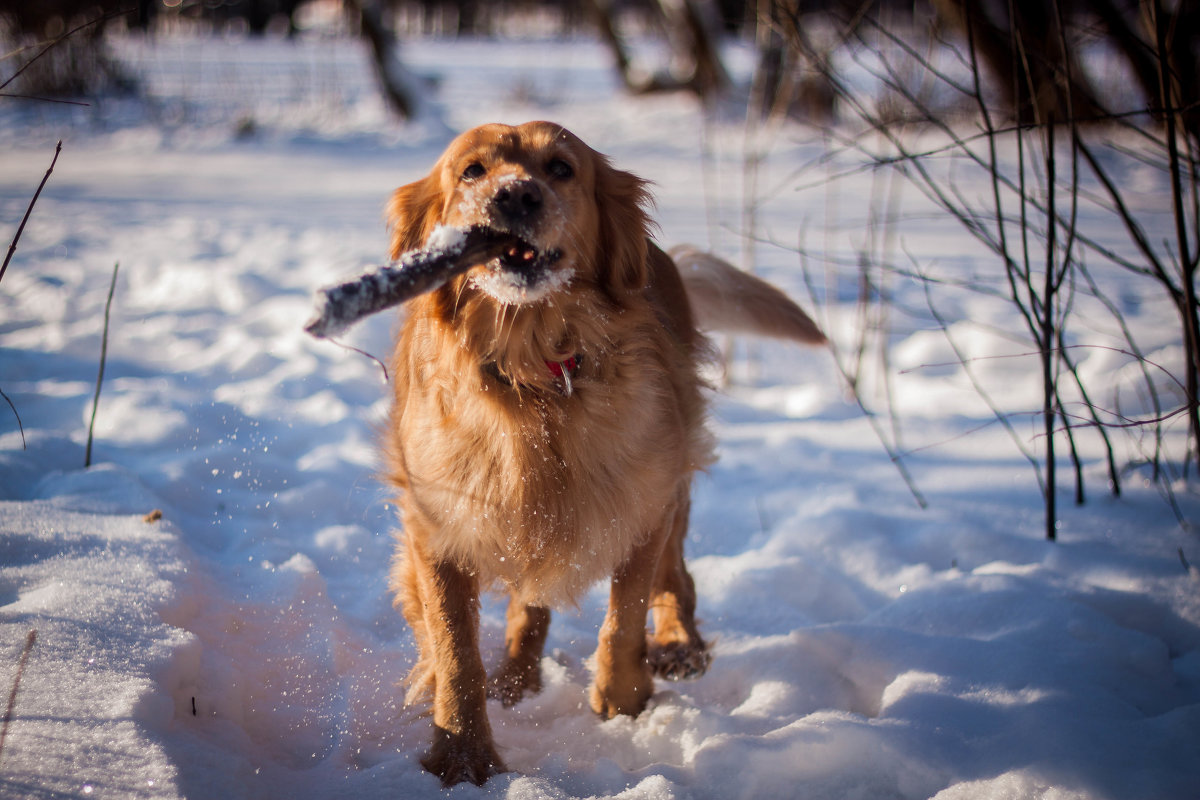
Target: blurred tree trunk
[1026, 50]
[604, 16]
[398, 87]
[692, 40]
[695, 43]
[60, 47]
[1170, 80]
[793, 77]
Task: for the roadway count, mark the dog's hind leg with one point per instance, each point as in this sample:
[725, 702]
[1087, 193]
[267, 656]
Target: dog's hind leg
[623, 681]
[675, 649]
[520, 673]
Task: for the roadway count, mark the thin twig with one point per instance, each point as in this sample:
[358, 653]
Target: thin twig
[12, 248]
[1108, 348]
[45, 99]
[1151, 390]
[1048, 324]
[30, 640]
[354, 349]
[87, 457]
[1094, 422]
[1073, 370]
[964, 363]
[1136, 233]
[897, 458]
[18, 416]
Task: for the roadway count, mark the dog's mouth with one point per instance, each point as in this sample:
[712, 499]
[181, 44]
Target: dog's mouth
[522, 273]
[522, 258]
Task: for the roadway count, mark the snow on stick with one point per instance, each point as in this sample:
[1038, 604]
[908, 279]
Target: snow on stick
[448, 252]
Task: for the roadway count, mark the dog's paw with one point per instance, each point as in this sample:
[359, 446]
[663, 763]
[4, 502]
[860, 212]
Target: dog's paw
[513, 681]
[457, 758]
[611, 698]
[679, 661]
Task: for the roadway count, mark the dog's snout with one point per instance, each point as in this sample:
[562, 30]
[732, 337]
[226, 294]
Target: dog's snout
[518, 200]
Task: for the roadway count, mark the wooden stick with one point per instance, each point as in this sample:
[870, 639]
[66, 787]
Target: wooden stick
[450, 253]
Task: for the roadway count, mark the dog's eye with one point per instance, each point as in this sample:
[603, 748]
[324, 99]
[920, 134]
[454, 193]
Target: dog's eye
[473, 170]
[560, 169]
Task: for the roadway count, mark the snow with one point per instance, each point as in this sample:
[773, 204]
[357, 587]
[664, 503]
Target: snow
[244, 644]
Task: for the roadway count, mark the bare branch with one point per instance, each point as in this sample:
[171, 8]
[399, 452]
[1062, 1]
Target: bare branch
[87, 458]
[18, 416]
[12, 248]
[30, 641]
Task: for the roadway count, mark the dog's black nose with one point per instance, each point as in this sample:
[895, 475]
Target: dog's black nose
[518, 200]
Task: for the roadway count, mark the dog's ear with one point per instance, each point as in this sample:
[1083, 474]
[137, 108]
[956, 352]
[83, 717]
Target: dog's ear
[413, 212]
[621, 203]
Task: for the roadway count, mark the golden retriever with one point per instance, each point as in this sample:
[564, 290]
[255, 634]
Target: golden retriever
[548, 418]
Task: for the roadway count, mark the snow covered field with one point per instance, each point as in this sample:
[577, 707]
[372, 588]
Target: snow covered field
[244, 645]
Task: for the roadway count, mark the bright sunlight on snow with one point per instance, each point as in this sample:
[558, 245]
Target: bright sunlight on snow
[242, 644]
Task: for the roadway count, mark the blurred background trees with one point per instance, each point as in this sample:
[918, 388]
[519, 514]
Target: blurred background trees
[1030, 49]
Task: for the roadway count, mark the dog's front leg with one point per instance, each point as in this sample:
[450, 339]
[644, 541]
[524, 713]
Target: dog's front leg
[624, 681]
[462, 741]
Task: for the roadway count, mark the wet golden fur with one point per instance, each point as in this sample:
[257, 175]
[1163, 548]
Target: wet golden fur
[515, 478]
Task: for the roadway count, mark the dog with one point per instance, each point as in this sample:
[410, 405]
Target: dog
[547, 419]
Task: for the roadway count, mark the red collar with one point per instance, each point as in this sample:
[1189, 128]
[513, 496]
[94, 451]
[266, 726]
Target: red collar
[568, 368]
[564, 371]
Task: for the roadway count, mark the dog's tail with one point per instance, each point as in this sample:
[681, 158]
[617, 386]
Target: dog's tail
[727, 299]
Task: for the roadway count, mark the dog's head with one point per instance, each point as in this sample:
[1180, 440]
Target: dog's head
[572, 215]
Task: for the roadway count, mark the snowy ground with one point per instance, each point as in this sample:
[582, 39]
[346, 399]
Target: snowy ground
[244, 644]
